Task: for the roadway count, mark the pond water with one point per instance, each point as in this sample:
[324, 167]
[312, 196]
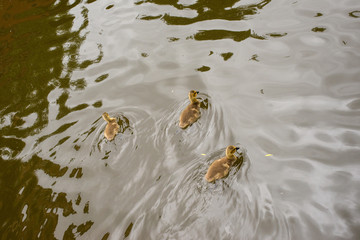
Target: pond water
[280, 79]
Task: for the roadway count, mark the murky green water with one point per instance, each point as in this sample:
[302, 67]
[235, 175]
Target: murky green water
[279, 78]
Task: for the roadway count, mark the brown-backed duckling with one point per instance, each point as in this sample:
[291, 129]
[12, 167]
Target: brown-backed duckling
[192, 112]
[220, 168]
[112, 128]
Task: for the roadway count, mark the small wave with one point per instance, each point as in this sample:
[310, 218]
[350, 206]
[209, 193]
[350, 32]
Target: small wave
[206, 130]
[131, 122]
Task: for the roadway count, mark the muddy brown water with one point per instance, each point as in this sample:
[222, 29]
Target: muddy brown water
[280, 79]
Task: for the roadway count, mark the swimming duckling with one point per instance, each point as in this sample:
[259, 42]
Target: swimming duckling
[220, 168]
[112, 128]
[192, 112]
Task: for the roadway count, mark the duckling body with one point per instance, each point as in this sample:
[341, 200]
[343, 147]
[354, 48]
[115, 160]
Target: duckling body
[191, 113]
[112, 128]
[220, 168]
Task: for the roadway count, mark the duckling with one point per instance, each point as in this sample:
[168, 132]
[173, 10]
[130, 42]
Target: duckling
[112, 128]
[192, 112]
[220, 168]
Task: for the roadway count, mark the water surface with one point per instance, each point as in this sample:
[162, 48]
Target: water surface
[278, 78]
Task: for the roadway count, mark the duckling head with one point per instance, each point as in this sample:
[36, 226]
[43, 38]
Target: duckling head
[192, 96]
[230, 151]
[106, 117]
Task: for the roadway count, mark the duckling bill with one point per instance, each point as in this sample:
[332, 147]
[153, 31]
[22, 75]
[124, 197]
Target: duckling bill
[192, 112]
[112, 128]
[220, 168]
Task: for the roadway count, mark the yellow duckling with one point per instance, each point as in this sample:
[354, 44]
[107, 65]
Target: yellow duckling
[220, 168]
[192, 112]
[112, 128]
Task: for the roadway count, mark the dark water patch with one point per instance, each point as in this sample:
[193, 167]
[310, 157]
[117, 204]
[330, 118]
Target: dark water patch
[205, 35]
[87, 63]
[254, 57]
[88, 132]
[276, 35]
[36, 38]
[203, 69]
[83, 228]
[79, 84]
[16, 120]
[355, 14]
[65, 110]
[66, 20]
[128, 230]
[149, 17]
[20, 190]
[61, 141]
[10, 147]
[226, 56]
[78, 200]
[61, 129]
[206, 10]
[318, 29]
[124, 124]
[173, 39]
[106, 236]
[102, 78]
[18, 13]
[256, 36]
[97, 104]
[76, 172]
[86, 207]
[53, 154]
[6, 153]
[74, 231]
[110, 6]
